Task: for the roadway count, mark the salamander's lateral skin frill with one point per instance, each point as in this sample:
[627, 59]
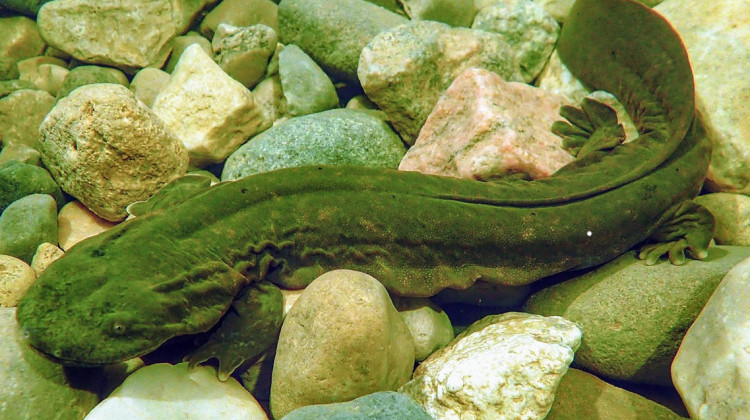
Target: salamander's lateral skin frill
[177, 270]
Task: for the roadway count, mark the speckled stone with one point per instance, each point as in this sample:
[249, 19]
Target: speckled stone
[386, 405]
[244, 52]
[19, 38]
[26, 223]
[712, 368]
[732, 215]
[107, 149]
[76, 222]
[306, 87]
[634, 316]
[270, 99]
[147, 84]
[15, 279]
[8, 68]
[240, 13]
[405, 70]
[334, 32]
[179, 44]
[529, 30]
[452, 12]
[18, 179]
[21, 112]
[20, 153]
[46, 254]
[334, 137]
[85, 75]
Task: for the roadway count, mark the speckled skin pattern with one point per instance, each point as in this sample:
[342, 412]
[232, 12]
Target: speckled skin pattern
[176, 271]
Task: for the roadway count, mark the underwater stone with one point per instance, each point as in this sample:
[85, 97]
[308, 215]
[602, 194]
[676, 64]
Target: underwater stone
[483, 128]
[83, 29]
[9, 86]
[452, 12]
[76, 222]
[634, 316]
[244, 52]
[26, 223]
[270, 98]
[527, 355]
[46, 254]
[21, 153]
[406, 69]
[732, 214]
[27, 7]
[334, 137]
[19, 38]
[22, 111]
[306, 87]
[147, 84]
[107, 149]
[15, 279]
[211, 113]
[180, 43]
[334, 32]
[85, 75]
[240, 13]
[386, 405]
[341, 340]
[8, 68]
[18, 180]
[428, 323]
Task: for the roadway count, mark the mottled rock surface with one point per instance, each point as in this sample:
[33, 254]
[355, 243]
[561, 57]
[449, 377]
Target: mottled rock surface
[76, 222]
[428, 323]
[342, 339]
[452, 12]
[405, 70]
[85, 75]
[244, 52]
[732, 214]
[21, 112]
[46, 254]
[240, 13]
[386, 405]
[164, 391]
[180, 43]
[483, 127]
[712, 368]
[26, 223]
[16, 276]
[334, 137]
[19, 38]
[306, 87]
[334, 32]
[527, 355]
[18, 180]
[84, 29]
[211, 113]
[107, 149]
[634, 316]
[147, 84]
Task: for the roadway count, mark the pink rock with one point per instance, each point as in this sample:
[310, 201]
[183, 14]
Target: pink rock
[484, 127]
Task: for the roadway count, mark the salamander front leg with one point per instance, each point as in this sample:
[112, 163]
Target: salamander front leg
[591, 128]
[690, 228]
[249, 327]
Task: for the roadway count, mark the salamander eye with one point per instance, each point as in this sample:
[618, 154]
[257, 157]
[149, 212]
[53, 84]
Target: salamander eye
[118, 328]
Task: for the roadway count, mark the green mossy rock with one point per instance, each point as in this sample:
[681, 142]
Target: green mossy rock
[306, 87]
[85, 75]
[18, 180]
[26, 7]
[36, 388]
[581, 395]
[21, 153]
[386, 405]
[8, 69]
[334, 137]
[634, 316]
[27, 223]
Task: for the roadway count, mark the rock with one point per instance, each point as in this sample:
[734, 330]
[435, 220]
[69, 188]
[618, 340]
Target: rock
[107, 149]
[342, 339]
[164, 391]
[19, 38]
[26, 223]
[483, 127]
[257, 377]
[15, 279]
[452, 12]
[732, 214]
[334, 137]
[46, 254]
[190, 11]
[147, 84]
[9, 86]
[83, 29]
[270, 99]
[76, 223]
[582, 395]
[22, 111]
[244, 52]
[47, 73]
[18, 180]
[406, 69]
[211, 113]
[633, 316]
[334, 32]
[35, 387]
[306, 87]
[386, 405]
[558, 9]
[556, 78]
[720, 64]
[240, 13]
[8, 68]
[527, 355]
[21, 153]
[529, 30]
[712, 368]
[290, 298]
[85, 75]
[180, 43]
[27, 7]
[428, 324]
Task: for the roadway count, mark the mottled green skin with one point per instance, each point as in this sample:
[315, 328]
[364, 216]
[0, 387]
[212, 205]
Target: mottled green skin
[176, 271]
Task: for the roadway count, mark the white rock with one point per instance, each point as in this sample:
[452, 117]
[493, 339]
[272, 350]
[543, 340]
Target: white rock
[527, 355]
[75, 222]
[163, 391]
[209, 111]
[147, 84]
[46, 254]
[15, 279]
[712, 368]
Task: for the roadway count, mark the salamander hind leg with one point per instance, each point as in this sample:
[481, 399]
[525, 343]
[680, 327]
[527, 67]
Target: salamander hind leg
[248, 328]
[691, 228]
[591, 128]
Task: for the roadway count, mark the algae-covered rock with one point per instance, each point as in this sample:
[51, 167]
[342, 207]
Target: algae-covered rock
[21, 112]
[26, 223]
[306, 87]
[19, 38]
[244, 52]
[386, 405]
[634, 316]
[85, 75]
[452, 12]
[19, 179]
[334, 137]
